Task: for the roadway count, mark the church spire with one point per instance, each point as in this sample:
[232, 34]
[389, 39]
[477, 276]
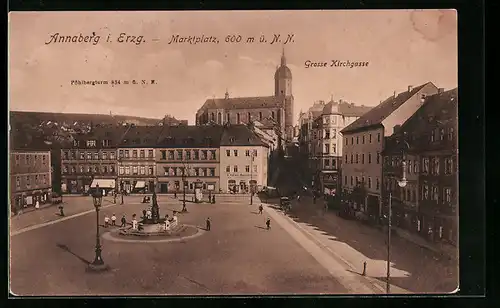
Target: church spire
[283, 59]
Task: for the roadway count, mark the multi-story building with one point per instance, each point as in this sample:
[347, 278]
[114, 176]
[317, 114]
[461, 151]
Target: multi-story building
[136, 159]
[243, 110]
[326, 144]
[30, 178]
[363, 143]
[428, 205]
[244, 160]
[91, 160]
[188, 154]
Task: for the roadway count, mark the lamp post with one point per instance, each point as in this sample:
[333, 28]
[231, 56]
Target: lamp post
[401, 183]
[251, 177]
[184, 209]
[98, 264]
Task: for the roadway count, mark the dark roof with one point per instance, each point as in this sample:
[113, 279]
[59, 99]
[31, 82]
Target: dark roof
[140, 136]
[345, 109]
[283, 72]
[437, 107]
[207, 136]
[242, 103]
[240, 135]
[378, 113]
[113, 133]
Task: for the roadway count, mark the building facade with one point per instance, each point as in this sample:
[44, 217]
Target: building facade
[30, 178]
[363, 143]
[91, 160]
[320, 138]
[428, 206]
[277, 108]
[189, 155]
[137, 159]
[244, 161]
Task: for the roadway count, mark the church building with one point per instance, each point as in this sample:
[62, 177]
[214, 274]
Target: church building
[274, 111]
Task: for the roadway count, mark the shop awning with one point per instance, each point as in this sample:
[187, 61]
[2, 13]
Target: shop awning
[140, 184]
[103, 183]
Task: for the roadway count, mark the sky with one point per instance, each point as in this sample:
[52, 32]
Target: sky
[402, 48]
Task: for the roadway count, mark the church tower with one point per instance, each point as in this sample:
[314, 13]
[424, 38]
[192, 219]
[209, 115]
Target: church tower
[283, 91]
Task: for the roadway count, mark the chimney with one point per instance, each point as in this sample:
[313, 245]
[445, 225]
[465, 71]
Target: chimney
[394, 94]
[440, 90]
[396, 129]
[410, 88]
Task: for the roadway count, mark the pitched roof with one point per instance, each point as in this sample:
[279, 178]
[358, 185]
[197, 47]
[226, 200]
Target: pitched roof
[240, 135]
[345, 109]
[242, 102]
[437, 107]
[113, 133]
[140, 136]
[378, 113]
[207, 136]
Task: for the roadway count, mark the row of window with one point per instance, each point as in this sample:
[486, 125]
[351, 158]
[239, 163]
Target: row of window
[247, 153]
[355, 159]
[188, 155]
[93, 143]
[377, 181]
[142, 154]
[32, 159]
[430, 165]
[238, 117]
[327, 148]
[431, 192]
[441, 134]
[71, 155]
[88, 169]
[37, 180]
[236, 169]
[136, 170]
[327, 163]
[189, 171]
[363, 139]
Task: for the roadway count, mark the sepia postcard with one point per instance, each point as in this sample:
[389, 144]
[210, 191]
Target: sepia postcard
[233, 153]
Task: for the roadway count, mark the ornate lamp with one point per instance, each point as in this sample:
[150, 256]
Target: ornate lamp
[98, 264]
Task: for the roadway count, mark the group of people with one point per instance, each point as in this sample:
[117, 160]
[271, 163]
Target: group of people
[112, 221]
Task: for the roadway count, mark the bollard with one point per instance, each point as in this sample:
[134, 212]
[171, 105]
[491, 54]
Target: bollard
[364, 268]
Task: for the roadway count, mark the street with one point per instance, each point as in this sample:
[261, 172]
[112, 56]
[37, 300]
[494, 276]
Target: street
[238, 256]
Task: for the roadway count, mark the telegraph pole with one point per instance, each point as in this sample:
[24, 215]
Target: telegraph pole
[251, 178]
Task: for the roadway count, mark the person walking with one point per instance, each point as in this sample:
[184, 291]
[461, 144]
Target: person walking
[113, 220]
[260, 209]
[268, 223]
[124, 222]
[106, 221]
[208, 224]
[175, 194]
[298, 198]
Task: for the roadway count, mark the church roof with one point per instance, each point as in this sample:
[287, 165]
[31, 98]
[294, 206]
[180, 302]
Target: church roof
[242, 102]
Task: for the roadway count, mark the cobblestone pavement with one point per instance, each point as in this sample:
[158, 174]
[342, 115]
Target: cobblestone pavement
[413, 268]
[238, 256]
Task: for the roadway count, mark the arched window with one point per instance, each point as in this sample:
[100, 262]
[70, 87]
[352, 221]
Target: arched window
[219, 118]
[213, 117]
[238, 118]
[272, 114]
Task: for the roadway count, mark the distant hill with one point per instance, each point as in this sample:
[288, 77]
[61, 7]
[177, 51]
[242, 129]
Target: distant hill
[35, 118]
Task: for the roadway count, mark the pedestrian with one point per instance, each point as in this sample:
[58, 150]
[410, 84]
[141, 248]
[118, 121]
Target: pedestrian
[213, 199]
[113, 220]
[144, 214]
[135, 224]
[124, 222]
[260, 209]
[106, 221]
[268, 223]
[298, 198]
[175, 194]
[314, 199]
[61, 210]
[208, 224]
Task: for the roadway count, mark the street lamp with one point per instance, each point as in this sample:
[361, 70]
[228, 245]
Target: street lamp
[251, 177]
[401, 183]
[98, 264]
[184, 209]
